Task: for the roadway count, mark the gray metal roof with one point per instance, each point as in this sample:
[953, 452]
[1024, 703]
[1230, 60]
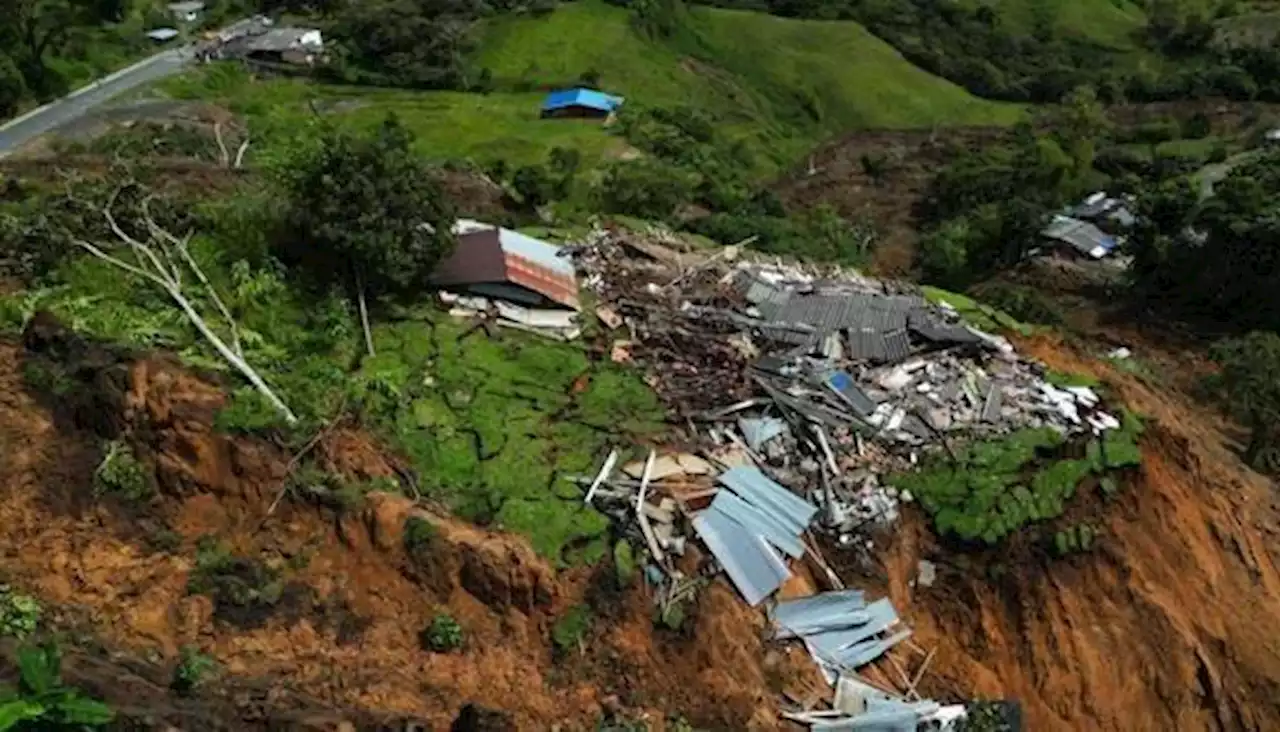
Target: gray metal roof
[817, 613]
[778, 502]
[753, 567]
[279, 39]
[759, 523]
[1080, 235]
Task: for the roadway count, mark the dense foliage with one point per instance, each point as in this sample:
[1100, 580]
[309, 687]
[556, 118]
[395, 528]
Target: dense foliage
[363, 210]
[41, 701]
[1216, 260]
[972, 45]
[1251, 391]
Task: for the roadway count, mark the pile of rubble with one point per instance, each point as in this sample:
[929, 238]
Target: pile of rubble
[798, 388]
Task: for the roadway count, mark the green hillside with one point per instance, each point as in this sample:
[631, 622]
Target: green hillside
[791, 82]
[800, 77]
[1109, 23]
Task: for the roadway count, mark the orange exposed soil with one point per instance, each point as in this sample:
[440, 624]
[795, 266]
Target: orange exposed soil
[350, 640]
[1168, 626]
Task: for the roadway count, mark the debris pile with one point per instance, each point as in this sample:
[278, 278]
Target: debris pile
[798, 388]
[823, 378]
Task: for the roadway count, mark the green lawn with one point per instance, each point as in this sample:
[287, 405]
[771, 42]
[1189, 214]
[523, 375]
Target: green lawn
[789, 82]
[448, 125]
[1109, 23]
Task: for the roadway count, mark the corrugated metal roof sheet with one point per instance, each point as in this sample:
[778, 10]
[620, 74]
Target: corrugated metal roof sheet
[754, 486]
[752, 565]
[817, 613]
[848, 390]
[1080, 235]
[588, 98]
[759, 523]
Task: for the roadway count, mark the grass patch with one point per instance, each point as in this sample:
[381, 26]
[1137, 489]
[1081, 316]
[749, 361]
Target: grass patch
[997, 487]
[980, 316]
[570, 629]
[788, 82]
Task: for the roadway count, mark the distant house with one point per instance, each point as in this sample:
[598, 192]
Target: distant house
[1080, 237]
[187, 12]
[299, 46]
[1105, 211]
[507, 265]
[160, 35]
[580, 103]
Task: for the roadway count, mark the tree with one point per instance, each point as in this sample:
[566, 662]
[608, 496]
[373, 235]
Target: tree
[534, 185]
[12, 86]
[367, 211]
[1251, 388]
[32, 28]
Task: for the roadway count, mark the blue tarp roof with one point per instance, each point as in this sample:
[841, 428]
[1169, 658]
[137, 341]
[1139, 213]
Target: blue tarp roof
[588, 98]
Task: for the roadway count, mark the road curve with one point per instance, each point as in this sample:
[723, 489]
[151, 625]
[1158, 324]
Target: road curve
[19, 131]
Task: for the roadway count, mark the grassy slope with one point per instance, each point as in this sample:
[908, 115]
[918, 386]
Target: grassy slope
[1110, 23]
[756, 69]
[793, 81]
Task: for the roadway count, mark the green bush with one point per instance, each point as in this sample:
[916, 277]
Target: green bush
[1073, 540]
[624, 563]
[192, 670]
[42, 702]
[19, 614]
[121, 474]
[996, 487]
[570, 629]
[442, 635]
[419, 535]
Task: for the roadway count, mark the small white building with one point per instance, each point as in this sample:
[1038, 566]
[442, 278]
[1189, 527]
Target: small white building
[188, 11]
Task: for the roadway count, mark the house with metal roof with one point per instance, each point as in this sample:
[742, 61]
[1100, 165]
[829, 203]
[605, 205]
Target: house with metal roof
[1080, 237]
[580, 103]
[495, 262]
[188, 11]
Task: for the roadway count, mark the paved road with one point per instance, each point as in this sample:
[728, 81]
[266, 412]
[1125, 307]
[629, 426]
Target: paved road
[17, 132]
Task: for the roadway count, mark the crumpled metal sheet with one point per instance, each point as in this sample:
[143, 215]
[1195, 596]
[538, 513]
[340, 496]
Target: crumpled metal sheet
[753, 567]
[762, 492]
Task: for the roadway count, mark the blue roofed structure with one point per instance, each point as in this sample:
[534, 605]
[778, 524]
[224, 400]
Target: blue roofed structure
[580, 103]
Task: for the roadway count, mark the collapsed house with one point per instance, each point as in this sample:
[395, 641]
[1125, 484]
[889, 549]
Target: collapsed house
[800, 389]
[1080, 238]
[525, 282]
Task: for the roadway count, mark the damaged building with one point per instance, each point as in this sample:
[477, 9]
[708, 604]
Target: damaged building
[491, 261]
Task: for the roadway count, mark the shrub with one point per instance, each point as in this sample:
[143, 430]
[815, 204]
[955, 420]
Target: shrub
[624, 563]
[419, 535]
[645, 188]
[442, 635]
[121, 474]
[570, 629]
[42, 702]
[19, 614]
[193, 669]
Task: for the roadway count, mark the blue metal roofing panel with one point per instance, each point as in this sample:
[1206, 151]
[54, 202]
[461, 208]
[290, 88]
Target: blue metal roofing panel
[759, 431]
[755, 569]
[758, 523]
[588, 98]
[770, 497]
[833, 645]
[818, 613]
[535, 250]
[868, 651]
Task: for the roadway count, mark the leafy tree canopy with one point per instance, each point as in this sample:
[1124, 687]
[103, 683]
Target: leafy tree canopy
[1248, 381]
[364, 209]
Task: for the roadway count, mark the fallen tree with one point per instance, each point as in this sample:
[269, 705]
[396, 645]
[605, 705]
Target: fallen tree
[162, 258]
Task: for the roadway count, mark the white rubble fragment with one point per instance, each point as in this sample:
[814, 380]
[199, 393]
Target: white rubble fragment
[1119, 354]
